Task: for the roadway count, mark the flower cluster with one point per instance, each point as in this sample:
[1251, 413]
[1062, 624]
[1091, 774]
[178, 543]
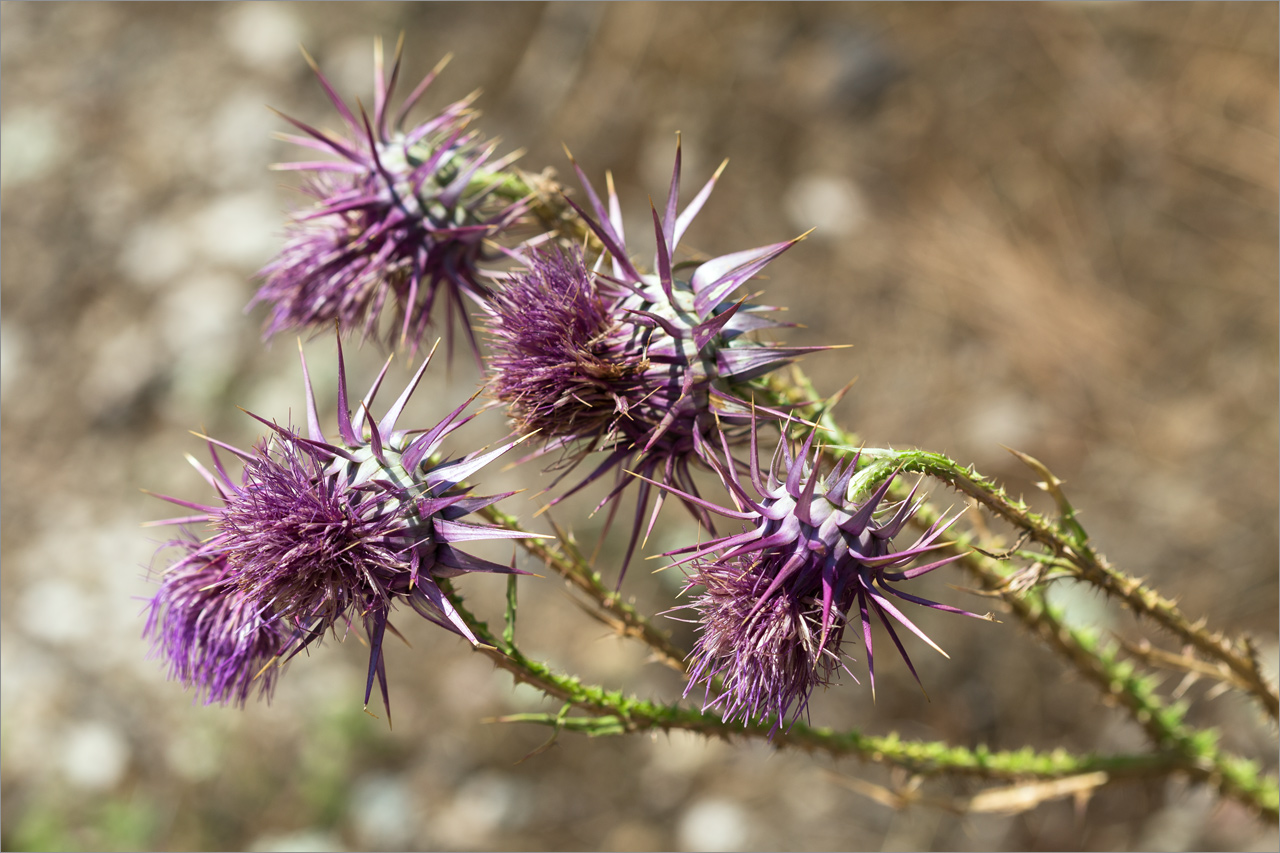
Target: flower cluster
[638, 365]
[777, 596]
[397, 224]
[315, 536]
[647, 366]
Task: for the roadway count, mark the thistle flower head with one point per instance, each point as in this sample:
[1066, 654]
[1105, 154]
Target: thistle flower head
[397, 223]
[776, 597]
[639, 365]
[315, 535]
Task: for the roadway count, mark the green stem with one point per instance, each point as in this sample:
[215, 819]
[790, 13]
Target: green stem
[1192, 751]
[564, 559]
[1094, 569]
[613, 713]
[1164, 724]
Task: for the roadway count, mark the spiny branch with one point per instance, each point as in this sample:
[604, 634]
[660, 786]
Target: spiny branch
[612, 713]
[564, 559]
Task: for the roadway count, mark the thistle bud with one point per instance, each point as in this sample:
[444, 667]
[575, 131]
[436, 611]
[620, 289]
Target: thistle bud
[776, 598]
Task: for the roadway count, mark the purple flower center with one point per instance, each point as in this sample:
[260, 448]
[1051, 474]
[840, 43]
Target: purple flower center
[307, 541]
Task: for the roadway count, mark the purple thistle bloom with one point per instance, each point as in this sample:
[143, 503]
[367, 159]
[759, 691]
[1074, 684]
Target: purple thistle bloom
[397, 225]
[778, 595]
[215, 637]
[637, 365]
[315, 535]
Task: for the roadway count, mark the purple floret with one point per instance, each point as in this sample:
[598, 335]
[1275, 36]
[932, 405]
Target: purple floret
[215, 637]
[397, 224]
[553, 363]
[305, 540]
[768, 655]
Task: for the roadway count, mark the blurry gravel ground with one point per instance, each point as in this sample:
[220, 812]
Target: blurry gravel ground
[1051, 227]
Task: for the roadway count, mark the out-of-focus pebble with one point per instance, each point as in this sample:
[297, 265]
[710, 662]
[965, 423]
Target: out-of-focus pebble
[308, 840]
[384, 813]
[202, 310]
[714, 824]
[239, 229]
[94, 755]
[155, 252]
[484, 804]
[56, 610]
[124, 364]
[239, 139]
[35, 143]
[679, 753]
[13, 350]
[1003, 418]
[832, 204]
[265, 36]
[193, 753]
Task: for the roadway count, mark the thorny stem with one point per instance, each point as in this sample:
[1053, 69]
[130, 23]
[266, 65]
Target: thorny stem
[1164, 724]
[1233, 776]
[564, 559]
[1093, 568]
[1066, 540]
[612, 713]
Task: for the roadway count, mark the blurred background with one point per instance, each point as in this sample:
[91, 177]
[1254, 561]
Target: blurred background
[1051, 227]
